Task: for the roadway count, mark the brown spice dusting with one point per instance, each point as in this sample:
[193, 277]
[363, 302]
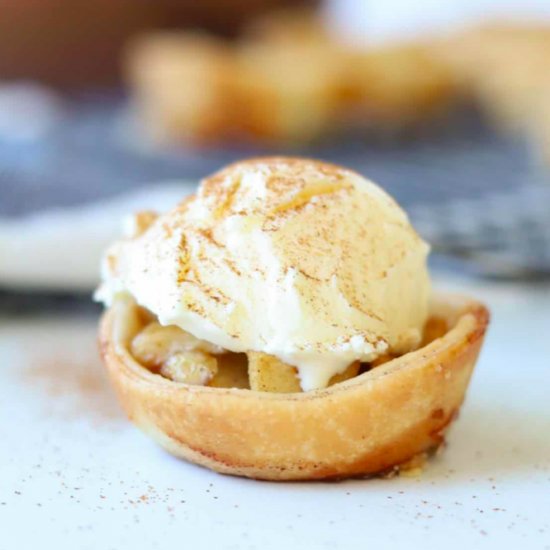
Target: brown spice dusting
[208, 235]
[225, 196]
[183, 259]
[305, 195]
[75, 388]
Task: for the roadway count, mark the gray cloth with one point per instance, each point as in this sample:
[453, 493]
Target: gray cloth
[474, 195]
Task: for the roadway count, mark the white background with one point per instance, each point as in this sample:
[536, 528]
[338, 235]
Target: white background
[75, 474]
[367, 21]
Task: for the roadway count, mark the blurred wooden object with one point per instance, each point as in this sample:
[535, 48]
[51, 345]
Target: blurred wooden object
[78, 42]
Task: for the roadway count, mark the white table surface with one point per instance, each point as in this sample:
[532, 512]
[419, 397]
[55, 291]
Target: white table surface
[74, 474]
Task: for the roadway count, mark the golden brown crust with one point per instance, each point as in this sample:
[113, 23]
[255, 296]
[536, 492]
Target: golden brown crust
[186, 86]
[503, 68]
[363, 426]
[398, 84]
[290, 83]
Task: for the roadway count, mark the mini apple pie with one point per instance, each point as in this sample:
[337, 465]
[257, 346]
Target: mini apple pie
[279, 324]
[503, 68]
[286, 80]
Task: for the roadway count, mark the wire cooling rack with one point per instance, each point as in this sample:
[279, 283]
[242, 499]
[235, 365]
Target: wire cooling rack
[477, 197]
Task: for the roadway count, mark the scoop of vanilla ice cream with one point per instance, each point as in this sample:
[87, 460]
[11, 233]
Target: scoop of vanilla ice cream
[295, 258]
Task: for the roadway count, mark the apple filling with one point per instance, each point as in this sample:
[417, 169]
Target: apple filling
[178, 356]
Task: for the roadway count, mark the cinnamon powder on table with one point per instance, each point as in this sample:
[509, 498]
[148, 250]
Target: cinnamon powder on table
[74, 388]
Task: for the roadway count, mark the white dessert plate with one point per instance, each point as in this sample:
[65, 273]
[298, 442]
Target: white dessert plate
[60, 249]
